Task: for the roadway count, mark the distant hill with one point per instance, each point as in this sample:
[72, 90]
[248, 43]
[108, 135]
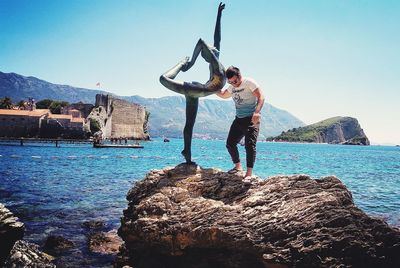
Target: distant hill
[167, 113]
[337, 130]
[19, 87]
[167, 117]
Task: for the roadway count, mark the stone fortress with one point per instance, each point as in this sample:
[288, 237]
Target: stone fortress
[115, 118]
[118, 118]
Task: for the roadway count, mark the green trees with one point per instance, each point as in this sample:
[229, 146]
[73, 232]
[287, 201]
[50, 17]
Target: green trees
[146, 122]
[6, 103]
[54, 106]
[21, 105]
[44, 104]
[94, 125]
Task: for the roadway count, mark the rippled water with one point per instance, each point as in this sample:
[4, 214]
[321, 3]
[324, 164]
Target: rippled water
[54, 190]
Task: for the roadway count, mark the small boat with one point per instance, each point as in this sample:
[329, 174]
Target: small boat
[102, 145]
[166, 140]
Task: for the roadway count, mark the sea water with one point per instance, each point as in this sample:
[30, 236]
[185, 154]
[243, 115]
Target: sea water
[53, 190]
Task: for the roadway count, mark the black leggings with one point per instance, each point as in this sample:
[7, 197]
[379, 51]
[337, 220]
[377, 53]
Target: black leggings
[243, 127]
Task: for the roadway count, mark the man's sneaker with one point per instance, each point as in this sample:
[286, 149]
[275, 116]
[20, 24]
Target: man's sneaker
[234, 170]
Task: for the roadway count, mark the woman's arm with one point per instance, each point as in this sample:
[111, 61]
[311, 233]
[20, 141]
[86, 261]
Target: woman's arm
[217, 31]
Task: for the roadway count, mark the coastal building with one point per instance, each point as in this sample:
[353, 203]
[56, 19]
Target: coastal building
[71, 111]
[67, 121]
[84, 109]
[21, 123]
[40, 123]
[115, 118]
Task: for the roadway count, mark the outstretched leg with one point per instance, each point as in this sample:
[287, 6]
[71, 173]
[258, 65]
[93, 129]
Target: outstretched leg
[167, 79]
[200, 46]
[192, 105]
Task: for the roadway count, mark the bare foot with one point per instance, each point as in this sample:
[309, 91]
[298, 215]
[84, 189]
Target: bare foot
[185, 64]
[188, 158]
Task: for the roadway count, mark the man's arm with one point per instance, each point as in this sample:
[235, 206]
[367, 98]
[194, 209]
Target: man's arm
[260, 102]
[224, 94]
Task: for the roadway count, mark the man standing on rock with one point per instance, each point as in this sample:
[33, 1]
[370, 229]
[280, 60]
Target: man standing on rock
[249, 100]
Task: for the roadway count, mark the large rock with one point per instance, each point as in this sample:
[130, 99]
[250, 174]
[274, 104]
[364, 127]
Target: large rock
[11, 230]
[104, 242]
[192, 217]
[15, 252]
[26, 254]
[56, 244]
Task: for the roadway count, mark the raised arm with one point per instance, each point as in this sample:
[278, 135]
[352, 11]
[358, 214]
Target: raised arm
[217, 31]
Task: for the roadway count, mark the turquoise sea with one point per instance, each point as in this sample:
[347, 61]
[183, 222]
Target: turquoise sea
[54, 190]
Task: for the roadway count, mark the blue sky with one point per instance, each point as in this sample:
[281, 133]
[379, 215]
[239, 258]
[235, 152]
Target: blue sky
[315, 59]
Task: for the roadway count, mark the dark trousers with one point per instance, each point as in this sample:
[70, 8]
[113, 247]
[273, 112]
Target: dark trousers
[243, 127]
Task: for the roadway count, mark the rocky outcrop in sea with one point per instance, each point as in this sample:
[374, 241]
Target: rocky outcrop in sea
[11, 230]
[188, 216]
[15, 252]
[25, 254]
[335, 130]
[346, 130]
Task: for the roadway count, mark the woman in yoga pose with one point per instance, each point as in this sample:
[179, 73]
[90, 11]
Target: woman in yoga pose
[194, 90]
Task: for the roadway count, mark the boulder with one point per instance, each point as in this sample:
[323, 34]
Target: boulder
[94, 225]
[15, 252]
[25, 254]
[104, 242]
[188, 216]
[56, 244]
[11, 230]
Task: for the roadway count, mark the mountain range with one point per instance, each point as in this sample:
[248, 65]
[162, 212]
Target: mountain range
[167, 114]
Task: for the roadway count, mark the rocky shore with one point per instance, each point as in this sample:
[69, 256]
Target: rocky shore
[11, 230]
[15, 252]
[188, 216]
[56, 250]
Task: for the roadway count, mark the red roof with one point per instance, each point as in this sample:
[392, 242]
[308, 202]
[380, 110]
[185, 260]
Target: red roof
[35, 113]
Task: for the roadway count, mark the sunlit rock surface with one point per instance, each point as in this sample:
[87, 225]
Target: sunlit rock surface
[25, 254]
[11, 230]
[192, 217]
[15, 252]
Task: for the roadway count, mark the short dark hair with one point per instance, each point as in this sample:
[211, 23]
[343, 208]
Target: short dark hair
[232, 71]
